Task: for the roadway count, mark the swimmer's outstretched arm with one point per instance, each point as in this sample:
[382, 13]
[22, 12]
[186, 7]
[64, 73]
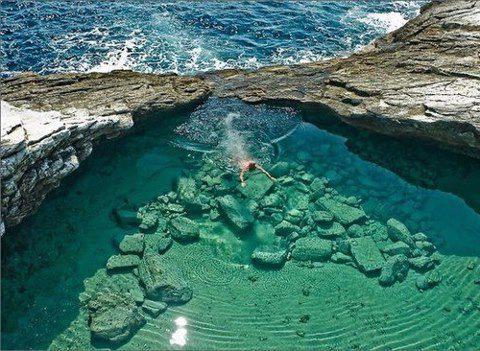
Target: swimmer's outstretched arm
[242, 181]
[264, 171]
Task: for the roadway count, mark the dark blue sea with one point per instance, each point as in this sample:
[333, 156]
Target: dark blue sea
[187, 36]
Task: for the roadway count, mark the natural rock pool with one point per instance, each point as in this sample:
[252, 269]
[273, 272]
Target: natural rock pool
[360, 242]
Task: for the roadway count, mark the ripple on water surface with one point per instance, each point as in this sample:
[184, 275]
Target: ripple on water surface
[235, 304]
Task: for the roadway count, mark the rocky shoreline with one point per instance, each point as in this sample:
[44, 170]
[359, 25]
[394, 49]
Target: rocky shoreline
[421, 81]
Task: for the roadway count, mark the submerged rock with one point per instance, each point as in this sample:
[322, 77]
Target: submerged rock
[122, 261]
[422, 263]
[257, 186]
[154, 308]
[345, 214]
[280, 169]
[428, 281]
[272, 201]
[188, 193]
[366, 254]
[149, 221]
[398, 248]
[127, 217]
[399, 232]
[394, 270]
[339, 257]
[285, 228]
[157, 243]
[238, 214]
[269, 256]
[376, 230]
[322, 217]
[184, 229]
[331, 231]
[162, 284]
[114, 317]
[312, 249]
[134, 244]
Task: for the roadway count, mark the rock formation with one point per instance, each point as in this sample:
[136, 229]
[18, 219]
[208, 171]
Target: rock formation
[421, 81]
[57, 119]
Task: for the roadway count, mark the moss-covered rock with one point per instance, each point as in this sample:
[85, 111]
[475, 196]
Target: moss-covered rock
[269, 256]
[117, 262]
[399, 232]
[133, 244]
[366, 254]
[236, 212]
[398, 248]
[184, 229]
[394, 270]
[428, 281]
[161, 284]
[154, 308]
[312, 249]
[114, 317]
[345, 214]
[257, 186]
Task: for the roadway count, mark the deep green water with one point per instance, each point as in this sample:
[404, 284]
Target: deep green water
[237, 305]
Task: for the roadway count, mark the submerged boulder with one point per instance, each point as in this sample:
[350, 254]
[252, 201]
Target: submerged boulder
[126, 217]
[339, 257]
[272, 201]
[399, 232]
[285, 228]
[422, 263]
[257, 186]
[312, 249]
[366, 254]
[237, 213]
[163, 284]
[184, 229]
[428, 281]
[269, 256]
[322, 217]
[114, 317]
[280, 169]
[122, 262]
[154, 308]
[394, 270]
[398, 248]
[188, 193]
[157, 243]
[345, 214]
[134, 244]
[149, 221]
[332, 230]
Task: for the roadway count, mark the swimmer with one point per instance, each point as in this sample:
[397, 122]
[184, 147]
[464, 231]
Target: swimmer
[251, 166]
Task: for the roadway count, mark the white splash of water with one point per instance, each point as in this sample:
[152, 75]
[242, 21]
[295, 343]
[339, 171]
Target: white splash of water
[119, 58]
[234, 143]
[388, 21]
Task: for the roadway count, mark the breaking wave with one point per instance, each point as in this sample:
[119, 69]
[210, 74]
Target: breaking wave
[185, 37]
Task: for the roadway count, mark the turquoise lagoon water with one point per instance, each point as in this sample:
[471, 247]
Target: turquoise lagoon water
[236, 304]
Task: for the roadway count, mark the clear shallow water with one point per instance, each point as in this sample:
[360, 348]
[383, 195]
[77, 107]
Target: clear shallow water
[235, 304]
[187, 36]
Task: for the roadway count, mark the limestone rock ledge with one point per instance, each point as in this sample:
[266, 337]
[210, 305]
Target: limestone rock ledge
[421, 81]
[49, 125]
